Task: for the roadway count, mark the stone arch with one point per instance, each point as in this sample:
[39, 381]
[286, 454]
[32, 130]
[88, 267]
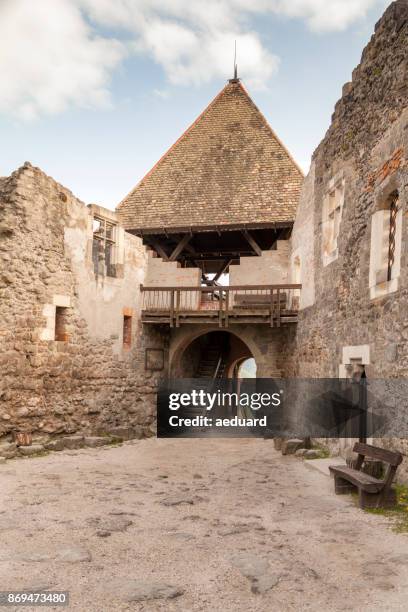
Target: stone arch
[183, 339]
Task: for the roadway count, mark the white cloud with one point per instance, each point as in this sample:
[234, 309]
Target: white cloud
[50, 59]
[53, 57]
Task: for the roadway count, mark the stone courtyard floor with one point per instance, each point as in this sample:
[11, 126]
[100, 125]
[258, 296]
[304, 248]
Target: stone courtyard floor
[205, 524]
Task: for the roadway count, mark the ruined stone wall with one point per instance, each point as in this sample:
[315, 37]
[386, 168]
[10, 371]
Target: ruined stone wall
[366, 148]
[90, 381]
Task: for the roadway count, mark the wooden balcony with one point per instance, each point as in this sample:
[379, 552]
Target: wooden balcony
[272, 305]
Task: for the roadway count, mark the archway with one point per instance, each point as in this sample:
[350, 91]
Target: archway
[210, 354]
[246, 368]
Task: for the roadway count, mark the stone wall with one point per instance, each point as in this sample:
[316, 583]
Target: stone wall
[366, 146]
[271, 268]
[89, 380]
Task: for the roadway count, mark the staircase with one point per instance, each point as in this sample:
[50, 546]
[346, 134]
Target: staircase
[212, 361]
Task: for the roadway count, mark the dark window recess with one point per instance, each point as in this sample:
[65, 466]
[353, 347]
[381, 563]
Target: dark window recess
[392, 233]
[104, 247]
[127, 331]
[61, 315]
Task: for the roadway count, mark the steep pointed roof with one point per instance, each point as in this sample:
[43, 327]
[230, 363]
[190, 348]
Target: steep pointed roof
[228, 168]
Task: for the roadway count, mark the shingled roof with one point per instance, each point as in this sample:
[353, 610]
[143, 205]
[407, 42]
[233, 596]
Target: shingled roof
[228, 168]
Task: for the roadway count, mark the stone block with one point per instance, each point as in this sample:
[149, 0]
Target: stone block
[29, 451]
[277, 442]
[8, 451]
[63, 301]
[289, 447]
[301, 452]
[126, 433]
[96, 441]
[312, 453]
[55, 445]
[73, 442]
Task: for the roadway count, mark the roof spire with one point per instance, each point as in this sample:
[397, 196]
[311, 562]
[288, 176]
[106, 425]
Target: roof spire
[235, 79]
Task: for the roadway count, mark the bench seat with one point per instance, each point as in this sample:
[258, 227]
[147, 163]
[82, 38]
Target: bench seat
[372, 492]
[359, 479]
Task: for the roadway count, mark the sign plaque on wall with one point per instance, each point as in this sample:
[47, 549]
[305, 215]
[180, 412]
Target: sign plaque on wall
[154, 359]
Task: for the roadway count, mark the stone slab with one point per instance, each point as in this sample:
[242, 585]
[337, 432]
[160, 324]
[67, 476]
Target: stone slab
[322, 465]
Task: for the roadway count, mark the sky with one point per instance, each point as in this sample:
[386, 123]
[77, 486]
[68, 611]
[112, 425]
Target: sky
[95, 91]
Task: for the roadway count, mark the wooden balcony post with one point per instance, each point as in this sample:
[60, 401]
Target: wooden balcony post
[177, 307]
[278, 321]
[226, 305]
[220, 301]
[172, 308]
[271, 305]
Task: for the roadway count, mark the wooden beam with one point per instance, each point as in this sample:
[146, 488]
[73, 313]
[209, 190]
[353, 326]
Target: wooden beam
[159, 250]
[190, 249]
[209, 282]
[180, 247]
[255, 246]
[221, 271]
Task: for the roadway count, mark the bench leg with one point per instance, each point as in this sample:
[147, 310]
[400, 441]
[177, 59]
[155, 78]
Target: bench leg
[341, 486]
[377, 500]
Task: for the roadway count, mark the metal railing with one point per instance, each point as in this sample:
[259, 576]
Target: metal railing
[273, 301]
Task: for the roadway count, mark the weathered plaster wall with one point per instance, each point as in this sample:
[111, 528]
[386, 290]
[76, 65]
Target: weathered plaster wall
[367, 143]
[271, 268]
[170, 274]
[302, 243]
[89, 381]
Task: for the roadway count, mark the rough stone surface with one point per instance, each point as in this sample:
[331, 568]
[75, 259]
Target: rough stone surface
[95, 441]
[250, 565]
[72, 442]
[55, 445]
[177, 500]
[74, 554]
[8, 450]
[87, 382]
[139, 590]
[311, 453]
[284, 526]
[289, 447]
[28, 451]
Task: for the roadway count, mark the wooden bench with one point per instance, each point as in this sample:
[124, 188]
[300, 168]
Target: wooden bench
[372, 492]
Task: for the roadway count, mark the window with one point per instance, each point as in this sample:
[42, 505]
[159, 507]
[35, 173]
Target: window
[127, 331]
[104, 247]
[385, 253]
[332, 213]
[60, 324]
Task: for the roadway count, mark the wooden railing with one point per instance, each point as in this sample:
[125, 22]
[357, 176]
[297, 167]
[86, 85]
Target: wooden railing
[271, 304]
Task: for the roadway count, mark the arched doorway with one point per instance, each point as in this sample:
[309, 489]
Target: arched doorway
[245, 368]
[212, 354]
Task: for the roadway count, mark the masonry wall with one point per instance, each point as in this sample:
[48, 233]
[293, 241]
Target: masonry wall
[366, 146]
[170, 274]
[271, 268]
[90, 381]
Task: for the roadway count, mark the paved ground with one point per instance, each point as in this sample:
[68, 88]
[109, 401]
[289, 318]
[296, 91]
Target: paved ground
[206, 524]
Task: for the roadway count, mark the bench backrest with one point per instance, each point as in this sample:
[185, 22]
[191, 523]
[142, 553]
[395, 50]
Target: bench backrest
[382, 454]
